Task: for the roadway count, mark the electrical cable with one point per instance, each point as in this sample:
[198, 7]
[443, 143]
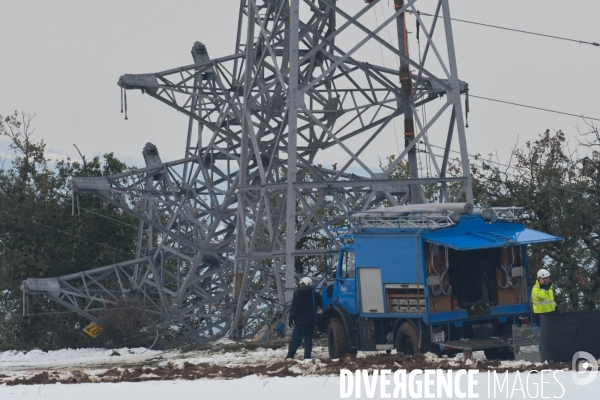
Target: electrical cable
[85, 209]
[535, 108]
[100, 309]
[136, 335]
[515, 30]
[82, 208]
[397, 64]
[423, 109]
[478, 159]
[66, 233]
[100, 215]
[383, 62]
[387, 27]
[531, 33]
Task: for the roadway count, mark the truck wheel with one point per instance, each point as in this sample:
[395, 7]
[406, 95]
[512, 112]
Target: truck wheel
[407, 340]
[337, 341]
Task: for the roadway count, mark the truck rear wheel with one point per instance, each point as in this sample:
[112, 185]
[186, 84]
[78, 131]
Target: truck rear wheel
[337, 341]
[407, 340]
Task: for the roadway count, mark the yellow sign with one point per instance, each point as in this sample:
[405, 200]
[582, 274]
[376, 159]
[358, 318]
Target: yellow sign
[93, 329]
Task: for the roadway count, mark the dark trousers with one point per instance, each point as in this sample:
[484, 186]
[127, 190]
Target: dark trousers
[301, 331]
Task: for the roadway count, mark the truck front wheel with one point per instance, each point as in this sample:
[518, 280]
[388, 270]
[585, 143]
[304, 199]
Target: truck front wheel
[407, 340]
[337, 341]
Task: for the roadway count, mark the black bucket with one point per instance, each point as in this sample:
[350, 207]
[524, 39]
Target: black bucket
[563, 334]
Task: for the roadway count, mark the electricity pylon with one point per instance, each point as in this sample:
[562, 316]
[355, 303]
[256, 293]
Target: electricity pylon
[278, 150]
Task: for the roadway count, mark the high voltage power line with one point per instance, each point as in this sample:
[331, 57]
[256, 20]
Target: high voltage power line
[65, 232]
[480, 160]
[79, 208]
[516, 30]
[529, 33]
[525, 32]
[534, 108]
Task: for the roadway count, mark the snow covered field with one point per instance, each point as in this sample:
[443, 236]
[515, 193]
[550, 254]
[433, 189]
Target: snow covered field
[255, 388]
[36, 359]
[162, 375]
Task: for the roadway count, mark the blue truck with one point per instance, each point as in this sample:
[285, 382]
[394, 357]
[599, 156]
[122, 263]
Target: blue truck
[433, 277]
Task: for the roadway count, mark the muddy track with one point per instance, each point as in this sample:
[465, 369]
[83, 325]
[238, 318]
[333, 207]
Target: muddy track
[315, 367]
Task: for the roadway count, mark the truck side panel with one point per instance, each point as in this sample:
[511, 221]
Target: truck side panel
[394, 254]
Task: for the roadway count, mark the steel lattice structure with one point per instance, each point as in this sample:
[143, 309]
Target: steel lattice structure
[222, 229]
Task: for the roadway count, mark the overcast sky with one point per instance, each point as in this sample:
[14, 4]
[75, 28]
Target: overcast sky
[61, 60]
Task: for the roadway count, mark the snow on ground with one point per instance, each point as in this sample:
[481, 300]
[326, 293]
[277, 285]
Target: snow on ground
[15, 362]
[316, 379]
[243, 356]
[71, 358]
[255, 388]
[36, 359]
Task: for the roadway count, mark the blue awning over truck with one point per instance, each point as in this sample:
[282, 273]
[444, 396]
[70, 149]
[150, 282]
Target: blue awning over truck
[473, 240]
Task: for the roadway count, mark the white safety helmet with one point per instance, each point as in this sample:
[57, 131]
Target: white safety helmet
[543, 273]
[306, 280]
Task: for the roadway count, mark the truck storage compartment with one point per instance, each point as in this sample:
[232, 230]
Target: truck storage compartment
[404, 298]
[474, 280]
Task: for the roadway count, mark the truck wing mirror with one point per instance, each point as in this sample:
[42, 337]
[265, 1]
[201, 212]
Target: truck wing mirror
[329, 270]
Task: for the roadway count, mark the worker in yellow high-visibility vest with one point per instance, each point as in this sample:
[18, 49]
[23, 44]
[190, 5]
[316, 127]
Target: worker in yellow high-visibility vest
[542, 296]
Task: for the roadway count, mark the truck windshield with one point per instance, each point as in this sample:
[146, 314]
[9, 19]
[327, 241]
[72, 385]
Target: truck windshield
[348, 265]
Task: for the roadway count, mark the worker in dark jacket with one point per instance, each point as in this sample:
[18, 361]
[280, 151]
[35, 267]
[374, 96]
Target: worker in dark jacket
[302, 317]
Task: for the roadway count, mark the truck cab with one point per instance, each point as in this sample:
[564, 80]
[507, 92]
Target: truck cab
[423, 279]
